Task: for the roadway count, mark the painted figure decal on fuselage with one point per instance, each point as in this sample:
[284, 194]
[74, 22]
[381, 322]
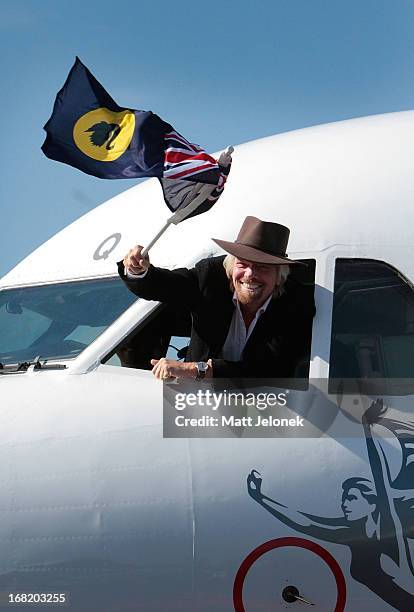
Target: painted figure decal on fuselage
[378, 515]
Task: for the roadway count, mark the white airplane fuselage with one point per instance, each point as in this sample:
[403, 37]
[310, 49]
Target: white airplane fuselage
[98, 504]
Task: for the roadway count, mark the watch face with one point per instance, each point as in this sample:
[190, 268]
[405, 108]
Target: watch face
[202, 368]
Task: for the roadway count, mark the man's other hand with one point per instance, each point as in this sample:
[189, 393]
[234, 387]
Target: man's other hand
[167, 369]
[134, 262]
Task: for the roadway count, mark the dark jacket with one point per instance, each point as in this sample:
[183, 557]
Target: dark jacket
[279, 341]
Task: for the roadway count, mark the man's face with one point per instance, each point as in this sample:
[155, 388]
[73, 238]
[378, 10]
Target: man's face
[254, 282]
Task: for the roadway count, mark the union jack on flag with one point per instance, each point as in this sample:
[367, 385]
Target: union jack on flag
[179, 193]
[184, 160]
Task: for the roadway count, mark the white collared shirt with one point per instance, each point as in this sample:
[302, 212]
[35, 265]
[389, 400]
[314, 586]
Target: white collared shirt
[238, 335]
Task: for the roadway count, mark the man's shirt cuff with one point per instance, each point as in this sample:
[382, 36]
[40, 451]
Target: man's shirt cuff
[132, 276]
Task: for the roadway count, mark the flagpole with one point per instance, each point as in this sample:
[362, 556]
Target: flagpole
[180, 215]
[166, 225]
[205, 191]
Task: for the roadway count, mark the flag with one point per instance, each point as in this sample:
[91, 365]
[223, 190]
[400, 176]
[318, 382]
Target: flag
[88, 130]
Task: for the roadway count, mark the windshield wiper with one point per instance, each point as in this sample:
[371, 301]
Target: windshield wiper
[36, 364]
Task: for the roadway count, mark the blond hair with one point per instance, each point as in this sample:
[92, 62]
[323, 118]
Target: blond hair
[228, 265]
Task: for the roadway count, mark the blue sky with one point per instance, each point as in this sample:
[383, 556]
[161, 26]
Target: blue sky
[221, 73]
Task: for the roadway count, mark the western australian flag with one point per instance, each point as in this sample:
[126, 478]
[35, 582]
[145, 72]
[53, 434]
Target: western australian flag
[88, 130]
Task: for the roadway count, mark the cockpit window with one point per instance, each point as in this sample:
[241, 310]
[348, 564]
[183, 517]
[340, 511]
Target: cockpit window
[372, 322]
[58, 321]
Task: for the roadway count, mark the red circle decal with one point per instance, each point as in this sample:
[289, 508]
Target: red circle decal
[278, 543]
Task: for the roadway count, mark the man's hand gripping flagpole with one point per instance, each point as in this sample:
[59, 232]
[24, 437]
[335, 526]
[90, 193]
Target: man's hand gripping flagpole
[182, 213]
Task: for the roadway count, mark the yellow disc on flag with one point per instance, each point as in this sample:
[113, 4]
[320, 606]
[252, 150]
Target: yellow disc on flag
[103, 134]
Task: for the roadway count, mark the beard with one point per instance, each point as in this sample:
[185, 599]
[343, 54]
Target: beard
[248, 297]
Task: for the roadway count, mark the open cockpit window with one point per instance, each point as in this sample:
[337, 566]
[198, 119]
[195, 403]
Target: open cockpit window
[58, 321]
[167, 330]
[372, 323]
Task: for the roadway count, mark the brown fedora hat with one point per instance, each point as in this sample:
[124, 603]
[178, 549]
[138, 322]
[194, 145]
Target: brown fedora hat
[259, 241]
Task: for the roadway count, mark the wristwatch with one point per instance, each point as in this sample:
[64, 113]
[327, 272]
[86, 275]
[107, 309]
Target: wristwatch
[202, 368]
